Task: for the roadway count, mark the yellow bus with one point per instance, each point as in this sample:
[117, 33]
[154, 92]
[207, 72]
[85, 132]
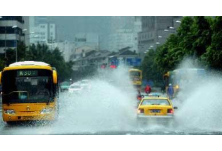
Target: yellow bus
[136, 77]
[29, 92]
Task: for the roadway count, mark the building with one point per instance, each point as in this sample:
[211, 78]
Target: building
[104, 59]
[122, 33]
[137, 30]
[122, 38]
[42, 31]
[125, 57]
[67, 48]
[155, 31]
[121, 22]
[12, 30]
[26, 29]
[91, 60]
[87, 40]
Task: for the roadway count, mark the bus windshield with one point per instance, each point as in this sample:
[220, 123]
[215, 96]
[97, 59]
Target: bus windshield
[135, 74]
[27, 89]
[186, 77]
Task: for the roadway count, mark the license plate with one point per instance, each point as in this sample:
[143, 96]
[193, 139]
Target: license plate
[155, 111]
[27, 117]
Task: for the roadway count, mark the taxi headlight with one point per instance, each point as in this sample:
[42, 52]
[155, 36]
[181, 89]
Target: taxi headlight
[46, 110]
[9, 111]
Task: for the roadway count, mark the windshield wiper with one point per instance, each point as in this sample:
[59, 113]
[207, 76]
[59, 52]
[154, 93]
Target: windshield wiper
[49, 100]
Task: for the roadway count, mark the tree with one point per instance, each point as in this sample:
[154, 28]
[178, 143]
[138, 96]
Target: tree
[170, 54]
[149, 68]
[192, 39]
[213, 55]
[202, 33]
[39, 52]
[197, 37]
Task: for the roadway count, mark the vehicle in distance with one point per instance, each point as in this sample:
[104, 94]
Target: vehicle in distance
[85, 84]
[64, 86]
[75, 88]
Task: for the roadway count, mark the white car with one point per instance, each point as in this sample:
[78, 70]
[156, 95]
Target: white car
[86, 84]
[83, 82]
[75, 88]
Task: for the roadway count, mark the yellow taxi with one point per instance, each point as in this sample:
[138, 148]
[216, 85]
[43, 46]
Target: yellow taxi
[155, 108]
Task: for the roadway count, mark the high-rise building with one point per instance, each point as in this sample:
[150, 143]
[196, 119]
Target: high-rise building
[122, 33]
[87, 39]
[121, 22]
[122, 38]
[155, 31]
[137, 30]
[26, 30]
[43, 30]
[12, 30]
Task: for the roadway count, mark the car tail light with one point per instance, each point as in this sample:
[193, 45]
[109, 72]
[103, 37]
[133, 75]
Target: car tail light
[170, 111]
[139, 98]
[140, 111]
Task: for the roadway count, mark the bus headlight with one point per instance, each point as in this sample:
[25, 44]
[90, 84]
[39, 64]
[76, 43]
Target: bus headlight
[9, 111]
[46, 110]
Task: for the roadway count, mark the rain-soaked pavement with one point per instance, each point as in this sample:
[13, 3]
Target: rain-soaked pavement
[109, 108]
[96, 113]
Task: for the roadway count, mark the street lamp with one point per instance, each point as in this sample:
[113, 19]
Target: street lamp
[27, 34]
[14, 27]
[178, 21]
[160, 36]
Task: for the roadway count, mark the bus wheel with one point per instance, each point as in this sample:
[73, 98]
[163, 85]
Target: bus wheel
[11, 123]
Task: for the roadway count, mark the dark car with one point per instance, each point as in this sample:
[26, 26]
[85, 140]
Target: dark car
[64, 86]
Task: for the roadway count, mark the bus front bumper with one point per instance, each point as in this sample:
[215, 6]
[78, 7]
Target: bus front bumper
[27, 117]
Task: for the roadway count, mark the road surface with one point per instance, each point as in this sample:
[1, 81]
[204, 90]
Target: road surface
[81, 115]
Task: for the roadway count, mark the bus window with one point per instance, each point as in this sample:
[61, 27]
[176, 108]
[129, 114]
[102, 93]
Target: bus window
[37, 88]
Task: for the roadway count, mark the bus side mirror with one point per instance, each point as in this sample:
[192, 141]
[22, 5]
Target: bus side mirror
[0, 77]
[54, 75]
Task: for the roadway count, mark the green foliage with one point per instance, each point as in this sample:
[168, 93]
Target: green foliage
[198, 37]
[149, 68]
[213, 55]
[193, 38]
[39, 53]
